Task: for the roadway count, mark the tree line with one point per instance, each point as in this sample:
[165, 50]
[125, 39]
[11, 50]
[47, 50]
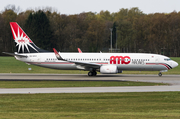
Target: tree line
[132, 30]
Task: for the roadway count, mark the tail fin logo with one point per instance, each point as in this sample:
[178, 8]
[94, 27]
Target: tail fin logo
[21, 39]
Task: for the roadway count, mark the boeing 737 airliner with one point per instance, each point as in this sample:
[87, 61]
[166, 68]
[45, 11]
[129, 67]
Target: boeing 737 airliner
[105, 63]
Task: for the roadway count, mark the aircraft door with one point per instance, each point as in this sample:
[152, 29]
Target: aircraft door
[104, 60]
[156, 59]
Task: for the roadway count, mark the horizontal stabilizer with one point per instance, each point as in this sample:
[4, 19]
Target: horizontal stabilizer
[15, 54]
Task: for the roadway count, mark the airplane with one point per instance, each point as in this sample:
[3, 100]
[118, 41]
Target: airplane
[105, 63]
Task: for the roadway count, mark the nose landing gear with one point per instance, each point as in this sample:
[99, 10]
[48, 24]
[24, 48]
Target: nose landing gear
[160, 74]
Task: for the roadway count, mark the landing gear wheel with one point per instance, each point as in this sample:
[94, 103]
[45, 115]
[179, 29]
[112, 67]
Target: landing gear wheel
[160, 74]
[90, 73]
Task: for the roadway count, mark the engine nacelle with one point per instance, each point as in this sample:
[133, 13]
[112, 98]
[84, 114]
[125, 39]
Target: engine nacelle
[108, 69]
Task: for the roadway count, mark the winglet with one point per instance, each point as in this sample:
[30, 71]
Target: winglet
[57, 55]
[79, 50]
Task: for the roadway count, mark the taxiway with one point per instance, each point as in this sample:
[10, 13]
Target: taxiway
[173, 80]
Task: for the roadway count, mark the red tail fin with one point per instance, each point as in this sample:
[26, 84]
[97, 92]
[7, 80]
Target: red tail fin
[23, 43]
[18, 33]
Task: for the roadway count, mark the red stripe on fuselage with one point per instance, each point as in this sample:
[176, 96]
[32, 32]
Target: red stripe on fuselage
[158, 64]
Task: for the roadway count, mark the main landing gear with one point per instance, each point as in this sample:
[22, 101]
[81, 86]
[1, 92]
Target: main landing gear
[160, 74]
[92, 73]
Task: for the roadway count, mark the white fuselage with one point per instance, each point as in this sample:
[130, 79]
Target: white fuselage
[123, 61]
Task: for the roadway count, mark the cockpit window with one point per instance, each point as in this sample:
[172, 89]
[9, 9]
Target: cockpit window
[167, 59]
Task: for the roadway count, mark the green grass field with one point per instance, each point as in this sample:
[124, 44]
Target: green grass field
[160, 105]
[47, 84]
[11, 65]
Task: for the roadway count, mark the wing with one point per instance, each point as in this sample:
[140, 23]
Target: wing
[85, 64]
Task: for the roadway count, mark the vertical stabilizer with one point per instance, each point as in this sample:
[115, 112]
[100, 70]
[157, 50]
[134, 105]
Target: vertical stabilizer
[23, 43]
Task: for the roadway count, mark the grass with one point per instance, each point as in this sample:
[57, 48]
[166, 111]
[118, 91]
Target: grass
[156, 105]
[47, 84]
[11, 65]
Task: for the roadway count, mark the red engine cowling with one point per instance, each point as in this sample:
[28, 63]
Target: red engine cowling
[108, 69]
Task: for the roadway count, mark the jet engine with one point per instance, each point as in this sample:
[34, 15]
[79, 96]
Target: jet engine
[108, 69]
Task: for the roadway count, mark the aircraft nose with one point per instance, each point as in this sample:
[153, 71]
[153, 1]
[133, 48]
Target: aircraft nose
[174, 64]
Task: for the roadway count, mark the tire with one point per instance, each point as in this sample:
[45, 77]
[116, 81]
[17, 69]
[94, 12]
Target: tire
[160, 74]
[90, 73]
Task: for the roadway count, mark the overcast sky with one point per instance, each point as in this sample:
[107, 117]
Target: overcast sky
[79, 6]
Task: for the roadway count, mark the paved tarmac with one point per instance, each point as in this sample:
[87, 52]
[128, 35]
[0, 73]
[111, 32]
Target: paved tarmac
[174, 80]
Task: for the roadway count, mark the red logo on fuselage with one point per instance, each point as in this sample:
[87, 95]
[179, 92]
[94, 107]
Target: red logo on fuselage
[120, 60]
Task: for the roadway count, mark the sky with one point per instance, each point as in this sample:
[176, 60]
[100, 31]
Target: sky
[78, 6]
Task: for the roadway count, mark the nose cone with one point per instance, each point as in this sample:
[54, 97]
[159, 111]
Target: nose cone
[174, 64]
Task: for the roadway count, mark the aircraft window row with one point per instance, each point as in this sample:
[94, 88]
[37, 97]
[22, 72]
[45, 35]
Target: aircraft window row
[51, 59]
[76, 59]
[105, 59]
[140, 59]
[83, 59]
